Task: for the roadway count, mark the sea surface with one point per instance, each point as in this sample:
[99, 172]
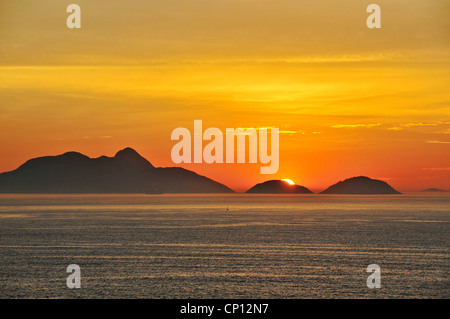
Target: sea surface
[224, 246]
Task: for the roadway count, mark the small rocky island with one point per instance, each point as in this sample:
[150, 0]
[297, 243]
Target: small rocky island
[434, 190]
[278, 187]
[360, 185]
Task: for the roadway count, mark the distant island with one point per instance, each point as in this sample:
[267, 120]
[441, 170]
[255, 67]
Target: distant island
[278, 187]
[360, 185]
[126, 172]
[437, 190]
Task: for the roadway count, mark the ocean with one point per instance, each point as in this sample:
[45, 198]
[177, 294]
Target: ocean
[225, 246]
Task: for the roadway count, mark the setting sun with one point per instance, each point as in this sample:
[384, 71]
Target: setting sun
[290, 182]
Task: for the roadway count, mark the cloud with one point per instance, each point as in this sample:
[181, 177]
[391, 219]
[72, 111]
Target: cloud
[356, 125]
[245, 132]
[102, 137]
[346, 58]
[281, 131]
[291, 132]
[438, 142]
[447, 131]
[437, 169]
[399, 127]
[420, 124]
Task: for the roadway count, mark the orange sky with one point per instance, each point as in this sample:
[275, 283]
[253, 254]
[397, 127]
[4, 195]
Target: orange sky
[348, 100]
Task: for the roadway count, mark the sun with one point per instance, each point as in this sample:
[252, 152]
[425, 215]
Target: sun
[290, 182]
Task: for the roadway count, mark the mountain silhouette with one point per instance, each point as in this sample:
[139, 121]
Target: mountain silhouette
[278, 187]
[434, 190]
[360, 185]
[129, 157]
[126, 172]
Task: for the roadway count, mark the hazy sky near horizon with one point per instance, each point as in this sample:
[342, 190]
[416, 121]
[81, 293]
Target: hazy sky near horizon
[348, 100]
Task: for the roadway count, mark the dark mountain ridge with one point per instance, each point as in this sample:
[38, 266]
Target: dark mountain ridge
[360, 185]
[434, 190]
[278, 187]
[126, 172]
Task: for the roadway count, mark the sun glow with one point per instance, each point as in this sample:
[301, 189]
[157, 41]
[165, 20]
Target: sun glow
[290, 182]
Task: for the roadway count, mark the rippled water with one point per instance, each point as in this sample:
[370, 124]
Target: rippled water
[190, 246]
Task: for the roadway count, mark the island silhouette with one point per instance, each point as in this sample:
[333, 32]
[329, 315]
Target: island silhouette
[126, 172]
[434, 190]
[278, 187]
[360, 185]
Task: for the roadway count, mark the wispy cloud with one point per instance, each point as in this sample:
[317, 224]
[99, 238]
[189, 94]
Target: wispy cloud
[403, 126]
[437, 169]
[249, 131]
[103, 137]
[345, 58]
[438, 142]
[356, 125]
[290, 132]
[421, 124]
[447, 131]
